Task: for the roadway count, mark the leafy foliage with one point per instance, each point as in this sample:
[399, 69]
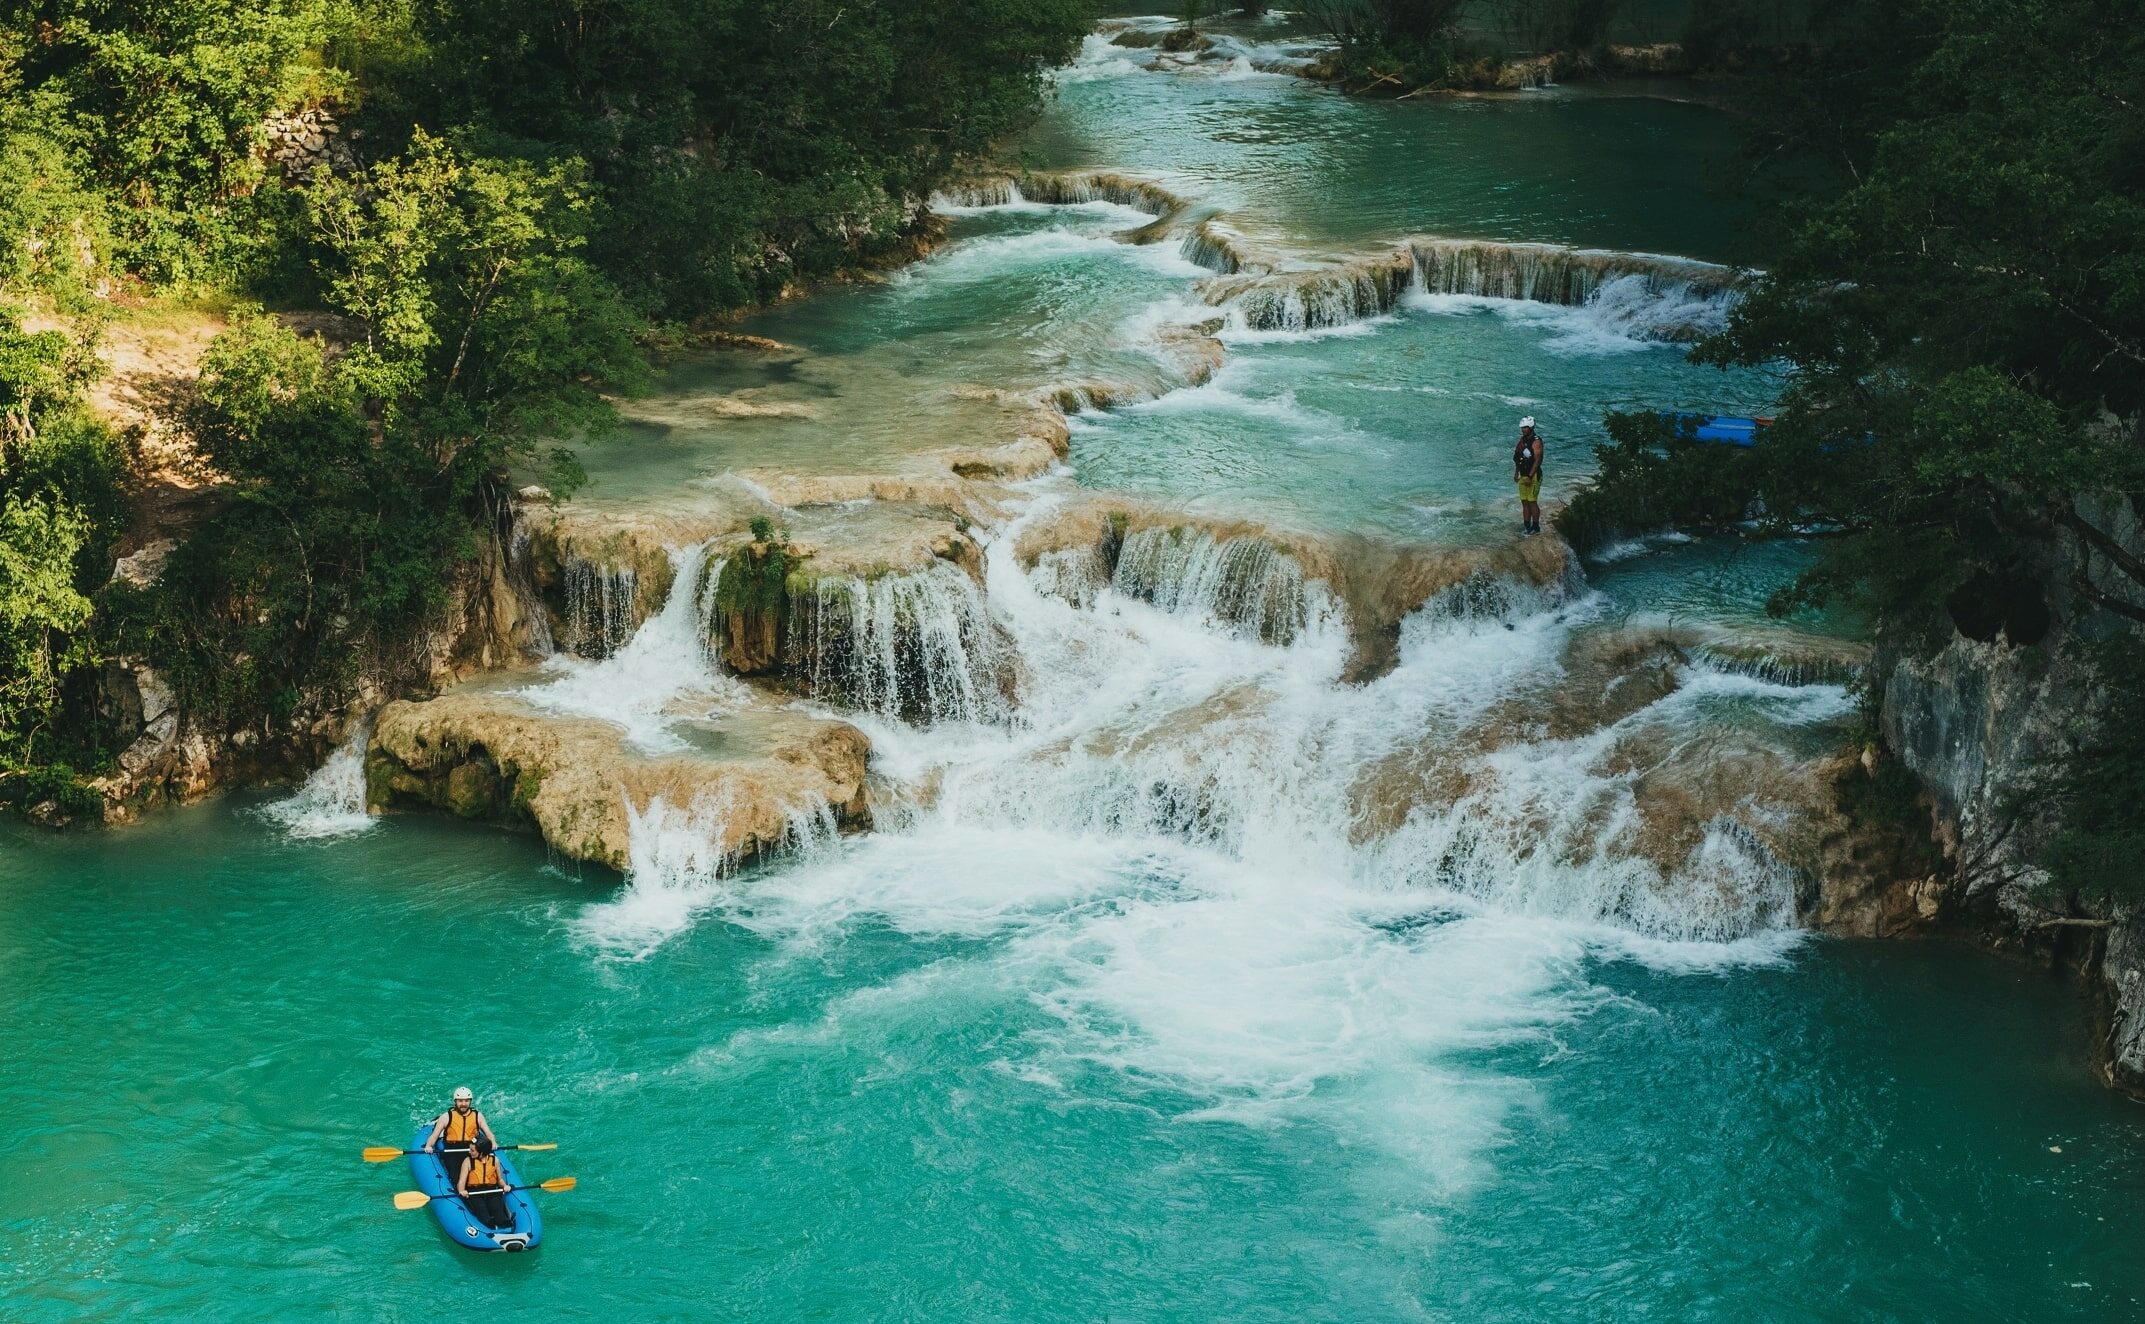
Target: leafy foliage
[359, 479]
[53, 229]
[740, 144]
[1653, 475]
[61, 508]
[1961, 291]
[2096, 850]
[160, 102]
[1401, 44]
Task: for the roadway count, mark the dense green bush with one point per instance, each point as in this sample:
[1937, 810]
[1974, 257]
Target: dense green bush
[1393, 45]
[61, 508]
[2096, 851]
[1653, 476]
[740, 144]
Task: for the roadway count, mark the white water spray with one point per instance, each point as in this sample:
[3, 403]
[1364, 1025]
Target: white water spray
[663, 673]
[331, 803]
[918, 646]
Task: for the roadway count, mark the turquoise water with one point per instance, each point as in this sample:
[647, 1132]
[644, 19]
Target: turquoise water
[1204, 988]
[1308, 164]
[1401, 427]
[813, 1112]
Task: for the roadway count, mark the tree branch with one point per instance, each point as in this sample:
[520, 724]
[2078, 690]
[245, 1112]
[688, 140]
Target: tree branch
[2106, 601]
[2101, 542]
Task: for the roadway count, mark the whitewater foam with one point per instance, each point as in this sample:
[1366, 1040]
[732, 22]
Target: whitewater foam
[331, 802]
[664, 672]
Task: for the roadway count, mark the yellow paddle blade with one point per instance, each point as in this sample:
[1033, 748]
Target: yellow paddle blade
[556, 1184]
[411, 1200]
[553, 1145]
[381, 1153]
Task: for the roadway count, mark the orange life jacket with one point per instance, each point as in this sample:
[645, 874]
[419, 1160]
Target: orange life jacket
[461, 1127]
[482, 1174]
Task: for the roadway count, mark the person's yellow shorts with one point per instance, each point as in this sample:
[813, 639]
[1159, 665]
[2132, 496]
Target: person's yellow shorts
[1530, 489]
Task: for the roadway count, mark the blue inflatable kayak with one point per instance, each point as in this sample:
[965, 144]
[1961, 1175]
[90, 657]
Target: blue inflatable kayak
[1722, 429]
[454, 1216]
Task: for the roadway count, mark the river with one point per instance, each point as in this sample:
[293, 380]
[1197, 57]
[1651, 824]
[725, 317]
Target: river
[1205, 971]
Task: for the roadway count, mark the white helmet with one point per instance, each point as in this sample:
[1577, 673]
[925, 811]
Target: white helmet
[462, 1092]
[1527, 422]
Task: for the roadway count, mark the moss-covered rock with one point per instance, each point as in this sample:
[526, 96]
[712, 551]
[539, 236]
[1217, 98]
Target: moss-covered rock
[749, 608]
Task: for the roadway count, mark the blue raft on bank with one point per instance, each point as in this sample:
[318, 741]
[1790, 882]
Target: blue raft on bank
[1721, 429]
[465, 1228]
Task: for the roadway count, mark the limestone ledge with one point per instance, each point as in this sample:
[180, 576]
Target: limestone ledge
[489, 757]
[1377, 583]
[572, 552]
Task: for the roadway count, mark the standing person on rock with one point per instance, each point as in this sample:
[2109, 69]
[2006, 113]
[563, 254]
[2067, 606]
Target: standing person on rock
[1527, 460]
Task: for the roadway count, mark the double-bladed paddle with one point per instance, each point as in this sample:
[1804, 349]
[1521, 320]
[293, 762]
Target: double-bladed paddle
[418, 1199]
[382, 1153]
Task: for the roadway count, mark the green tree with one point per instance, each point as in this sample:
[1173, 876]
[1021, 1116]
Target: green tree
[61, 509]
[1960, 290]
[164, 100]
[359, 480]
[54, 238]
[741, 144]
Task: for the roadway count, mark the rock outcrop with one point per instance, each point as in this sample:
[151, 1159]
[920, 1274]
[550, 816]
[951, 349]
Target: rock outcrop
[576, 781]
[1255, 576]
[304, 140]
[1978, 725]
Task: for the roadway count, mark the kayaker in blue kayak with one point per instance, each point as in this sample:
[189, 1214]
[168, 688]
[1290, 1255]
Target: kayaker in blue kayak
[482, 1189]
[1527, 458]
[456, 1130]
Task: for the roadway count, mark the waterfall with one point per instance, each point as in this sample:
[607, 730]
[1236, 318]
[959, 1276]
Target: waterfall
[1314, 300]
[1774, 668]
[1217, 248]
[1244, 585]
[1548, 273]
[975, 194]
[665, 666]
[1435, 781]
[331, 803]
[1637, 294]
[918, 646]
[1484, 596]
[601, 603]
[679, 862]
[1100, 186]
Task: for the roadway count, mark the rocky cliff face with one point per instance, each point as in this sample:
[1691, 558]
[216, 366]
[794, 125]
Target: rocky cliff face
[1978, 725]
[490, 620]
